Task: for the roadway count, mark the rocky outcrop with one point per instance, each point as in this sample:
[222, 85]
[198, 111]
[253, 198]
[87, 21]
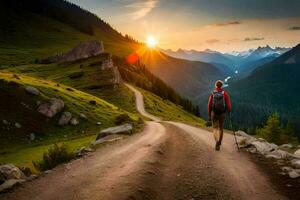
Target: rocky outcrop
[270, 150]
[81, 51]
[50, 109]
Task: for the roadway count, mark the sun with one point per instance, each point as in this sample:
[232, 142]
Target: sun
[151, 42]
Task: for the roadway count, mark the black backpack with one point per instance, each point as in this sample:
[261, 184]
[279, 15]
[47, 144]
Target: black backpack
[218, 105]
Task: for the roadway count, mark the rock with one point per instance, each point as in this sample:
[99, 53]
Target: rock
[65, 118]
[9, 184]
[106, 140]
[98, 123]
[297, 153]
[286, 146]
[18, 125]
[32, 90]
[31, 177]
[296, 163]
[83, 151]
[286, 169]
[252, 149]
[9, 171]
[5, 122]
[74, 121]
[123, 129]
[52, 108]
[47, 171]
[32, 137]
[82, 116]
[83, 50]
[278, 154]
[293, 174]
[242, 141]
[263, 147]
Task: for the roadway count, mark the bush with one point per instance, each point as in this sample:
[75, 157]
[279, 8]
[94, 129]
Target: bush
[53, 157]
[122, 119]
[274, 131]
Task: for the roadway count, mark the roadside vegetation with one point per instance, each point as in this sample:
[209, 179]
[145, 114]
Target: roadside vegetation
[168, 111]
[274, 131]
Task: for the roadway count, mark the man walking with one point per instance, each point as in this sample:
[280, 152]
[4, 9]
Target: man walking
[218, 104]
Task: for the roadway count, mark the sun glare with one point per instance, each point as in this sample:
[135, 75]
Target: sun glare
[151, 42]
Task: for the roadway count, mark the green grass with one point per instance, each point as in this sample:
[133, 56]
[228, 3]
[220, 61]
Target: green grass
[94, 80]
[23, 155]
[168, 111]
[18, 151]
[29, 36]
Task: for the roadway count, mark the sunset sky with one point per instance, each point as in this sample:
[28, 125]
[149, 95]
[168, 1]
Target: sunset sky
[223, 25]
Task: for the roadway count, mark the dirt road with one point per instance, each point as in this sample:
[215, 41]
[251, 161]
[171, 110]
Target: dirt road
[167, 161]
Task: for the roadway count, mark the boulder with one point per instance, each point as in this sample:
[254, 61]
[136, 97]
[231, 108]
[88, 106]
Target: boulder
[32, 137]
[74, 121]
[297, 153]
[5, 122]
[51, 108]
[296, 163]
[82, 116]
[83, 151]
[263, 147]
[286, 169]
[293, 174]
[65, 118]
[107, 139]
[9, 184]
[32, 90]
[278, 154]
[9, 171]
[122, 129]
[18, 125]
[286, 146]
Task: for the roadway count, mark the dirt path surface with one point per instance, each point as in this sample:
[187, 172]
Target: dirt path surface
[166, 161]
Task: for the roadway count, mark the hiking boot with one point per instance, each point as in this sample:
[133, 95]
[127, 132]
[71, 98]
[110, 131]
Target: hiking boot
[217, 147]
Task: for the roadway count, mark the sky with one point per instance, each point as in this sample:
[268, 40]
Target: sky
[222, 25]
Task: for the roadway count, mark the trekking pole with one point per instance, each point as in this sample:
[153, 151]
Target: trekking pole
[232, 128]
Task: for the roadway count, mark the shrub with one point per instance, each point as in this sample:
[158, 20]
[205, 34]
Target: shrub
[274, 131]
[122, 119]
[53, 157]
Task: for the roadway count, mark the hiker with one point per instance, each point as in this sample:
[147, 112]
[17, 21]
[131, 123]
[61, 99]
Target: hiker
[218, 104]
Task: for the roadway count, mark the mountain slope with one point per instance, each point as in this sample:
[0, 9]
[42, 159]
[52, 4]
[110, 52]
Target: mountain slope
[271, 87]
[31, 30]
[189, 78]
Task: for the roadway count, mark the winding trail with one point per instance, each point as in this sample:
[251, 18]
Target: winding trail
[167, 161]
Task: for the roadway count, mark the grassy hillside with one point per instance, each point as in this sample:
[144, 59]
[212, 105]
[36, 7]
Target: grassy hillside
[167, 110]
[17, 106]
[26, 35]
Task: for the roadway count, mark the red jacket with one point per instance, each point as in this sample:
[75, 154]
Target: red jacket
[226, 97]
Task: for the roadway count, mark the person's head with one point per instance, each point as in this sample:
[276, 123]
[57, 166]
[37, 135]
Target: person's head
[219, 84]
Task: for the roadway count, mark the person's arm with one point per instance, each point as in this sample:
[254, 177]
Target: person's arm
[227, 102]
[209, 106]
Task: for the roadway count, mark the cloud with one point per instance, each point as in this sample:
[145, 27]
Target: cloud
[141, 9]
[212, 41]
[249, 39]
[295, 28]
[231, 23]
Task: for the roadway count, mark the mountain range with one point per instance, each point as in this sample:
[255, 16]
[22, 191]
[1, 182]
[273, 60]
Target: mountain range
[245, 61]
